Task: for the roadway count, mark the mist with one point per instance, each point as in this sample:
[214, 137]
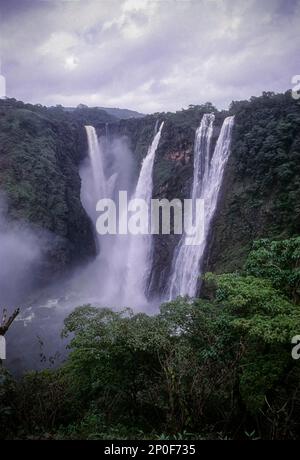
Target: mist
[20, 257]
[114, 158]
[35, 340]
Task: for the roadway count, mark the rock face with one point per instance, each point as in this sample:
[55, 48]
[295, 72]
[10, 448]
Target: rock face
[173, 169]
[39, 157]
[260, 195]
[41, 149]
[261, 189]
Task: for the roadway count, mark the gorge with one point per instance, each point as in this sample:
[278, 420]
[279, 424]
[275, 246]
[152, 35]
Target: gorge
[149, 222]
[88, 154]
[101, 326]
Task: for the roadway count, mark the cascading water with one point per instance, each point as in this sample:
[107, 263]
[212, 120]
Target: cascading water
[97, 160]
[119, 274]
[94, 185]
[140, 246]
[100, 174]
[208, 176]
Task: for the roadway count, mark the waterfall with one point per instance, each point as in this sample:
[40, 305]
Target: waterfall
[94, 185]
[97, 161]
[139, 259]
[119, 274]
[208, 176]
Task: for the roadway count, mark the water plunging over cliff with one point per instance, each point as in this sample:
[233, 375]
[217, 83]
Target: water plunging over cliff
[139, 261]
[94, 185]
[208, 176]
[120, 273]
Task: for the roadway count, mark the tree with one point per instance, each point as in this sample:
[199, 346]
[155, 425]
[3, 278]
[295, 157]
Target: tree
[7, 322]
[265, 322]
[278, 261]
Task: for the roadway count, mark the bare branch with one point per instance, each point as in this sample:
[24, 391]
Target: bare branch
[6, 323]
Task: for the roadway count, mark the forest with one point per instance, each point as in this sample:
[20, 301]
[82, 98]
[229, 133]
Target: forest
[213, 368]
[217, 366]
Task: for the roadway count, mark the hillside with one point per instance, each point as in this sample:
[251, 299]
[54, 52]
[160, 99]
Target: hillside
[120, 114]
[41, 149]
[216, 366]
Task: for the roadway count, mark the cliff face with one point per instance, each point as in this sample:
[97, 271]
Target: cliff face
[39, 157]
[41, 149]
[261, 189]
[260, 195]
[173, 178]
[173, 168]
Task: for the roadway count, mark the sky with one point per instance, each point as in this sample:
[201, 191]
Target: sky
[148, 55]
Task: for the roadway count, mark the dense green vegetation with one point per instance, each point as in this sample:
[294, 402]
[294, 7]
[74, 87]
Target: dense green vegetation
[215, 367]
[202, 369]
[121, 114]
[261, 195]
[40, 149]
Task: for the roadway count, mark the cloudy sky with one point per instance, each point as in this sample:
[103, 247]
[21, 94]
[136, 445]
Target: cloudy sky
[148, 55]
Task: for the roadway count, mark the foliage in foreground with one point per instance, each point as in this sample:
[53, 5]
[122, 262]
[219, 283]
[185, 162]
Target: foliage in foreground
[217, 368]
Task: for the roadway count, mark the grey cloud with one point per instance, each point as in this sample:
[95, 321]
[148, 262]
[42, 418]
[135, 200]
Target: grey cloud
[148, 55]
